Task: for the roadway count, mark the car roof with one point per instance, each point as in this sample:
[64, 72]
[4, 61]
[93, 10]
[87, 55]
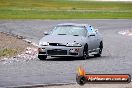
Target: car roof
[73, 24]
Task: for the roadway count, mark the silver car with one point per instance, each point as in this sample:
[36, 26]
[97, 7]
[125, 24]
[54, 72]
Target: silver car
[71, 40]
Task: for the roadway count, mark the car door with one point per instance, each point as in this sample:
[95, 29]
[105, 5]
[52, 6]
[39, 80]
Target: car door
[96, 44]
[92, 38]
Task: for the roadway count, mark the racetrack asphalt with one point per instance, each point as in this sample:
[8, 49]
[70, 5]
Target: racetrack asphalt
[116, 57]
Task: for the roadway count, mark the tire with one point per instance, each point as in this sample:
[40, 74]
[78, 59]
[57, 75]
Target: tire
[42, 57]
[100, 50]
[85, 52]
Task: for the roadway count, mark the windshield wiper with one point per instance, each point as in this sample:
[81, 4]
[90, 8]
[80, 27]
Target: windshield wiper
[61, 34]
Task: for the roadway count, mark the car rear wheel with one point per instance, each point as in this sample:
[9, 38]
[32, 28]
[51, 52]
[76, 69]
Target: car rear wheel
[100, 50]
[42, 57]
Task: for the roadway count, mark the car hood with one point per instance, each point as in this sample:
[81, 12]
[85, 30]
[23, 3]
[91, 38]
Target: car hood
[62, 39]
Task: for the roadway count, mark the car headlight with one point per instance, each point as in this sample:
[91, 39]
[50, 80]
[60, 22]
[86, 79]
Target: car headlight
[43, 43]
[74, 44]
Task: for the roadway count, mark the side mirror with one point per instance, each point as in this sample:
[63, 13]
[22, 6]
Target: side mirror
[92, 34]
[46, 33]
[96, 30]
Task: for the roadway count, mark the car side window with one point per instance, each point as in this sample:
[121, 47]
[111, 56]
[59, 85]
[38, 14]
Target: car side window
[90, 29]
[93, 29]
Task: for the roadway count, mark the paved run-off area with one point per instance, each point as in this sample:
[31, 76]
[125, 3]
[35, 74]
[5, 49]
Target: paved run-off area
[91, 86]
[116, 57]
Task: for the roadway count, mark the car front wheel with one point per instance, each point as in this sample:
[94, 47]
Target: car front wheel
[85, 52]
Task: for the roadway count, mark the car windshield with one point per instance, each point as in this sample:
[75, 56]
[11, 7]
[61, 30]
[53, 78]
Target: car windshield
[69, 30]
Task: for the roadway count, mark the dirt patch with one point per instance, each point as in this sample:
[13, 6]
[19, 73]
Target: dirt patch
[10, 46]
[15, 48]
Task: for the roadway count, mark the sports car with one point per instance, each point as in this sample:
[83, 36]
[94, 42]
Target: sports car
[71, 40]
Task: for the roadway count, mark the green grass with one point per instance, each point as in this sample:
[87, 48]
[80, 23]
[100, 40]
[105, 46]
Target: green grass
[7, 52]
[64, 9]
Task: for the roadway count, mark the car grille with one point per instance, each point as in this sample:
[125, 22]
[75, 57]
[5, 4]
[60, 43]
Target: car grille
[57, 52]
[56, 44]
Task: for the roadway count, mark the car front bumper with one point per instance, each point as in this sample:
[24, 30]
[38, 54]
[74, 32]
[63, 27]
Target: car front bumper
[60, 51]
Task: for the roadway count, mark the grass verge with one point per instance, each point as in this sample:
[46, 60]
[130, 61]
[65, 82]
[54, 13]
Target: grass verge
[7, 52]
[64, 15]
[64, 9]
